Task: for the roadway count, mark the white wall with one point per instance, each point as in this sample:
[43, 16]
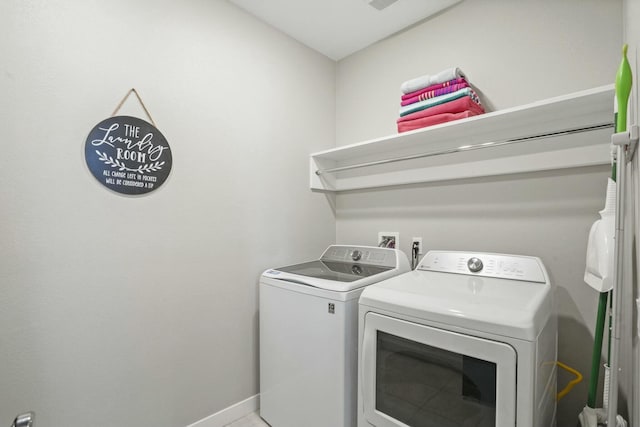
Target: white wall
[515, 53]
[120, 311]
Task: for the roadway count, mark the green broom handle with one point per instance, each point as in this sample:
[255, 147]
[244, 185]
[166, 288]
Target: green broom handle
[597, 350]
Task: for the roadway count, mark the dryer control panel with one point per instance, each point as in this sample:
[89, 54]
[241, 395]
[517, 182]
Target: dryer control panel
[501, 266]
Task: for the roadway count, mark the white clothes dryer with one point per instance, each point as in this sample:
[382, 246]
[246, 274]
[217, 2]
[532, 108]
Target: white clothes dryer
[309, 335]
[466, 339]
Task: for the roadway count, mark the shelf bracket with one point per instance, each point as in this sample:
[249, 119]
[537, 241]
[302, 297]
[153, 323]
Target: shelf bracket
[628, 139]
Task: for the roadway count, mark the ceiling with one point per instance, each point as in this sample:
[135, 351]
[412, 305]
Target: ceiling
[338, 28]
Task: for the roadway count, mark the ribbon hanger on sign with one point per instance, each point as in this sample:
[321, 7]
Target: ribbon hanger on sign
[144, 107]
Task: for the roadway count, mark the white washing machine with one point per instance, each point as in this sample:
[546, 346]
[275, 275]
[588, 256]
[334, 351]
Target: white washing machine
[466, 339]
[309, 335]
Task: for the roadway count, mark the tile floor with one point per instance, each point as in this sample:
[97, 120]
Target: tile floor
[251, 420]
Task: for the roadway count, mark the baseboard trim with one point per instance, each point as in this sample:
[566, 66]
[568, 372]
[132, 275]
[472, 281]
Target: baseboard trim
[230, 414]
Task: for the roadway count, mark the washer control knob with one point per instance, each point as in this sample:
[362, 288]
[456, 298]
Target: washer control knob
[474, 264]
[356, 255]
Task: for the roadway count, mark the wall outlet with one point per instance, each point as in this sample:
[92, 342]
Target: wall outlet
[419, 241]
[389, 239]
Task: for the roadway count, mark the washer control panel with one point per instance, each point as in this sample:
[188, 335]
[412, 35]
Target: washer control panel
[513, 267]
[382, 257]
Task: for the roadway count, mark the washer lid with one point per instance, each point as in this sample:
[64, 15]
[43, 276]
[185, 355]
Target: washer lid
[505, 307]
[344, 268]
[332, 270]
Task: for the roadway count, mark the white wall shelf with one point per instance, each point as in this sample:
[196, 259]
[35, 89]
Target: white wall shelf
[564, 132]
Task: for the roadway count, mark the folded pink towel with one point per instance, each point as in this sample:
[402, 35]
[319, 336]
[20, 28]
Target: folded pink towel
[426, 94]
[434, 120]
[456, 106]
[448, 83]
[442, 99]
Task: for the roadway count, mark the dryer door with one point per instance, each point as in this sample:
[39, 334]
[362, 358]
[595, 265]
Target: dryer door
[418, 376]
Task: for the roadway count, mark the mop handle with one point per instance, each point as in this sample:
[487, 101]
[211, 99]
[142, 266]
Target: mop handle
[623, 89]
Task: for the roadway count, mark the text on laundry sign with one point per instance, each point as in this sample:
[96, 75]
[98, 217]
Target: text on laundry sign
[132, 149]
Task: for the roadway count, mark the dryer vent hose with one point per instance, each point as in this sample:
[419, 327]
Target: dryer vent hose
[572, 383]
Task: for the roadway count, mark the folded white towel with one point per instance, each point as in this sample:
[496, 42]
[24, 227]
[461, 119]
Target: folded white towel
[426, 81]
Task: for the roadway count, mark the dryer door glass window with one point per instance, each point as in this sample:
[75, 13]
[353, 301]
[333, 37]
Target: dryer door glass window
[420, 376]
[421, 385]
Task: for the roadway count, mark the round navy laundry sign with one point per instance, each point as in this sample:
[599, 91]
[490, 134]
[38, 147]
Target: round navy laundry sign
[128, 155]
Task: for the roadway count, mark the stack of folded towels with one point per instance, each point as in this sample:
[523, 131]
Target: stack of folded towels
[431, 100]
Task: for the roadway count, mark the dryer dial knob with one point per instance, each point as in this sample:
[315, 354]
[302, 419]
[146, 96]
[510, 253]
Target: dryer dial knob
[356, 255]
[474, 264]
